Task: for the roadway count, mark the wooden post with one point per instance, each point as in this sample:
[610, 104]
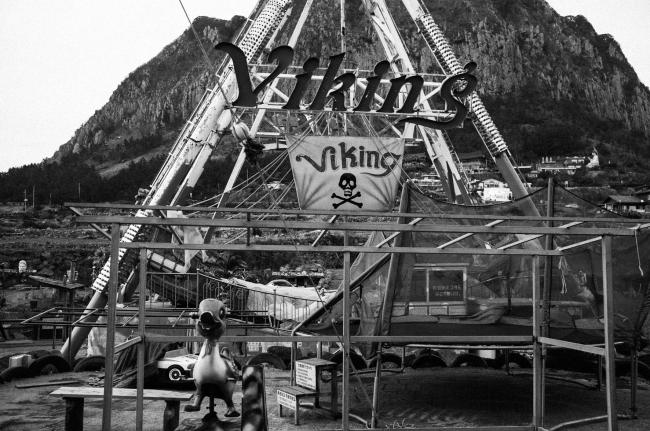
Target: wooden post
[345, 423]
[74, 414]
[171, 414]
[110, 327]
[634, 376]
[139, 406]
[538, 369]
[610, 353]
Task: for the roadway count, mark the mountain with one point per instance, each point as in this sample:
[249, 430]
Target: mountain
[552, 84]
[149, 107]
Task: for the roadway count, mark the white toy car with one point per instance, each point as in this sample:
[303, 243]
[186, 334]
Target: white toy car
[177, 365]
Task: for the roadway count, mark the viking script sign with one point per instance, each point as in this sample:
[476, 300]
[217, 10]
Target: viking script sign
[452, 90]
[347, 173]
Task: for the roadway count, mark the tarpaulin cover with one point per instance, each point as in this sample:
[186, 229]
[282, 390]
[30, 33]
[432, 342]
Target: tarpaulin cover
[488, 295]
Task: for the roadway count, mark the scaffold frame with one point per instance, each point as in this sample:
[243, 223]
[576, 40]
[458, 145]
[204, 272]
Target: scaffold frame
[537, 339]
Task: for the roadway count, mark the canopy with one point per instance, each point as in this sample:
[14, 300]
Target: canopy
[491, 295]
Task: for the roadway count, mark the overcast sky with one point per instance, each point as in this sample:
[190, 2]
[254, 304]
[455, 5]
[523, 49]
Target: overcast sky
[61, 60]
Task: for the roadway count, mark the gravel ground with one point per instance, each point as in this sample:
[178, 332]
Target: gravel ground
[415, 398]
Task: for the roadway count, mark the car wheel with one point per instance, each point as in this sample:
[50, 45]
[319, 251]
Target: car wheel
[469, 360]
[49, 364]
[519, 361]
[90, 363]
[388, 361]
[428, 360]
[14, 373]
[267, 359]
[358, 363]
[174, 373]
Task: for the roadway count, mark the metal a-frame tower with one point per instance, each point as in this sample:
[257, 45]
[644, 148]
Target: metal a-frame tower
[213, 117]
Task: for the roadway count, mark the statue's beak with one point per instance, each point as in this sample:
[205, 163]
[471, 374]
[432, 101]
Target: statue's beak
[208, 321]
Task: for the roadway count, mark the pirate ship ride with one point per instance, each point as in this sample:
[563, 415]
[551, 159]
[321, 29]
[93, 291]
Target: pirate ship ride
[521, 275]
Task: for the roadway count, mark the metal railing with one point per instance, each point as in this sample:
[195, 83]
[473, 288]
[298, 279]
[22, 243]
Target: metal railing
[253, 305]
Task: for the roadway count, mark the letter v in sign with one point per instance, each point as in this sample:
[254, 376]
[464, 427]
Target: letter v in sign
[248, 96]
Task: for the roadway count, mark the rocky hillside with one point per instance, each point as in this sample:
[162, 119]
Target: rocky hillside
[552, 84]
[149, 107]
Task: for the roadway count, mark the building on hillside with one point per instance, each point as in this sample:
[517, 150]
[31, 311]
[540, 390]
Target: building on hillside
[556, 165]
[429, 183]
[623, 204]
[593, 161]
[475, 162]
[527, 171]
[642, 192]
[493, 190]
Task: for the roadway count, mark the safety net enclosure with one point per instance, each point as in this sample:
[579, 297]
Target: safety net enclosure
[491, 295]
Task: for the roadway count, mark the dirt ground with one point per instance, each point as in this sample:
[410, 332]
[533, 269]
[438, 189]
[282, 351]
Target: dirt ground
[415, 398]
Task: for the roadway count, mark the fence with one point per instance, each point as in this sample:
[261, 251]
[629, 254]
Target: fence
[251, 302]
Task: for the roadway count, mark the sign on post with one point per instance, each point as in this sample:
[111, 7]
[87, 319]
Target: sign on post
[286, 400]
[306, 375]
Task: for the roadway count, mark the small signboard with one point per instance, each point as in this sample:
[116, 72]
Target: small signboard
[286, 400]
[446, 285]
[306, 375]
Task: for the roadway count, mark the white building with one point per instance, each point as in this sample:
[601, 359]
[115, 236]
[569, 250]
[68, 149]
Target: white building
[492, 190]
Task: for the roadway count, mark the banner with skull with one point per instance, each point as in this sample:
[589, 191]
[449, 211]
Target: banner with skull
[346, 173]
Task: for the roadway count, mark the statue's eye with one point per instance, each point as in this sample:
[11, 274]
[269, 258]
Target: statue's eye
[222, 313]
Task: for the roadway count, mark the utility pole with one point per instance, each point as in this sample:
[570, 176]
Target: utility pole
[34, 196]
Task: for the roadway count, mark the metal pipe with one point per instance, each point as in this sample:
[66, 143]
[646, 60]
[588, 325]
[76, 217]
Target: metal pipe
[345, 423]
[375, 391]
[548, 274]
[110, 329]
[610, 352]
[538, 366]
[139, 407]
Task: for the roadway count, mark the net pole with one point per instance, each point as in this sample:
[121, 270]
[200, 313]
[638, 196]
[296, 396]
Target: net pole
[375, 390]
[610, 353]
[345, 422]
[110, 327]
[538, 369]
[548, 274]
[139, 407]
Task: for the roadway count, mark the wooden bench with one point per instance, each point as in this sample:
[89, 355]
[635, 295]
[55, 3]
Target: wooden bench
[290, 396]
[74, 403]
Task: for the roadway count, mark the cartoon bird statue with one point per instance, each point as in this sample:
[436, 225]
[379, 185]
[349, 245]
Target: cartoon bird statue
[214, 375]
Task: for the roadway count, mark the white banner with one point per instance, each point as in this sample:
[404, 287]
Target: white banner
[346, 173]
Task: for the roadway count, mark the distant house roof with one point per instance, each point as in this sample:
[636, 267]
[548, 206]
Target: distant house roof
[642, 191]
[494, 181]
[471, 156]
[482, 176]
[622, 199]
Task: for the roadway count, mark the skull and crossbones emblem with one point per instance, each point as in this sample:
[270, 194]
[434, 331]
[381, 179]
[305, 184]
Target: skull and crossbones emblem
[347, 183]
